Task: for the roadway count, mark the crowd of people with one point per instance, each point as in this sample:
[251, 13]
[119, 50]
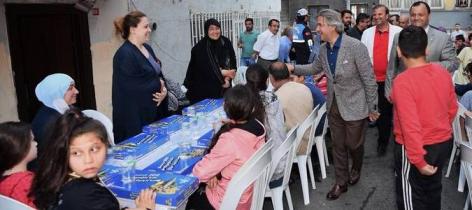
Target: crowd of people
[395, 72]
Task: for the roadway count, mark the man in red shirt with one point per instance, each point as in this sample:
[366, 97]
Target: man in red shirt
[378, 40]
[424, 105]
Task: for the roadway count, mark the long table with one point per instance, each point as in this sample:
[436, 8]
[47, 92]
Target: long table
[162, 157]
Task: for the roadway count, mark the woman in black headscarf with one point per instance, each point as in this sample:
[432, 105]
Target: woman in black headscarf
[212, 65]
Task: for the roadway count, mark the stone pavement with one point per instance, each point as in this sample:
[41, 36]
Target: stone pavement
[376, 188]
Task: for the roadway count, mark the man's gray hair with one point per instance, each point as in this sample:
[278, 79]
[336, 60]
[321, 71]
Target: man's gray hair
[332, 18]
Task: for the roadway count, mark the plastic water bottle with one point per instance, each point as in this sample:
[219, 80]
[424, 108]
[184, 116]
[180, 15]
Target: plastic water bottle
[191, 111]
[128, 175]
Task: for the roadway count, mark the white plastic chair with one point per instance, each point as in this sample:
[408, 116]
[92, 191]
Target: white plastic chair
[12, 204]
[304, 159]
[466, 167]
[287, 149]
[320, 142]
[255, 170]
[456, 128]
[467, 130]
[104, 120]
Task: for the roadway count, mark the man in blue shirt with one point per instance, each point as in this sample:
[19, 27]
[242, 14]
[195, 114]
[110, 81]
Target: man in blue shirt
[246, 42]
[285, 45]
[352, 96]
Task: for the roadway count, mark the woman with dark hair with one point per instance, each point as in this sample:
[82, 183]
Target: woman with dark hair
[139, 94]
[231, 147]
[256, 80]
[17, 149]
[212, 65]
[67, 175]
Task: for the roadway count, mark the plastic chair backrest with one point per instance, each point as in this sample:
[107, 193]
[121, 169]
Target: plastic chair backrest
[456, 125]
[104, 120]
[468, 129]
[12, 204]
[255, 170]
[466, 165]
[319, 115]
[308, 123]
[286, 149]
[466, 153]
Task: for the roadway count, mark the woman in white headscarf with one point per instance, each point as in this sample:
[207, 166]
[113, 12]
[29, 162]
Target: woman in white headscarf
[57, 92]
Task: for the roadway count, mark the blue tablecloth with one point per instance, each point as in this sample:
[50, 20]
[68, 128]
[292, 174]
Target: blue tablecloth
[162, 156]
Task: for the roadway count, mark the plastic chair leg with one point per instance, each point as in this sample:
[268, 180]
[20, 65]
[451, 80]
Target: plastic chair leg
[467, 202]
[289, 198]
[277, 196]
[462, 180]
[310, 170]
[321, 156]
[451, 159]
[303, 177]
[325, 153]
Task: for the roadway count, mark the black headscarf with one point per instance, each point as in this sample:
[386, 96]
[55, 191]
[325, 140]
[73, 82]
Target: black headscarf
[203, 78]
[217, 52]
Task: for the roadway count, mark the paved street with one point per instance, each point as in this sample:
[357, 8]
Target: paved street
[375, 190]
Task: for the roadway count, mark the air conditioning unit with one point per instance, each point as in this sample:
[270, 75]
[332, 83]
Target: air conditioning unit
[84, 5]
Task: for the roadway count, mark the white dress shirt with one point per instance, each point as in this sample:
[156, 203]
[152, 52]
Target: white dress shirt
[267, 45]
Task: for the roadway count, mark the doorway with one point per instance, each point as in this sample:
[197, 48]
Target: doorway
[46, 39]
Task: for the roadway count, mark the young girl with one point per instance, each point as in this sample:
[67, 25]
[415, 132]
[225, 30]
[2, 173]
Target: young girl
[231, 147]
[17, 149]
[256, 79]
[67, 174]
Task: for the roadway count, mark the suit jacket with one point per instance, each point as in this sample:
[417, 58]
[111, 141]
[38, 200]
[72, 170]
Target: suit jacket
[369, 35]
[353, 84]
[440, 49]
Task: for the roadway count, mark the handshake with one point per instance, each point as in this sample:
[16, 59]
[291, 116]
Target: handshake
[228, 75]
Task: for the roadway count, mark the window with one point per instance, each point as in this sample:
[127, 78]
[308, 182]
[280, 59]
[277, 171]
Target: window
[359, 8]
[395, 4]
[313, 11]
[405, 4]
[463, 3]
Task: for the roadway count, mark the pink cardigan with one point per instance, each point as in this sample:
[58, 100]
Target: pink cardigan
[233, 149]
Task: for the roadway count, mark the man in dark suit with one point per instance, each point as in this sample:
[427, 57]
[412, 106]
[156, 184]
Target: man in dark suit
[352, 95]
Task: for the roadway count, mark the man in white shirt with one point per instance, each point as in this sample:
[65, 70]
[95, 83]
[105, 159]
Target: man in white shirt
[457, 31]
[267, 45]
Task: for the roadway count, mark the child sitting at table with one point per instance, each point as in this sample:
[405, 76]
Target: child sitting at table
[18, 148]
[67, 173]
[231, 147]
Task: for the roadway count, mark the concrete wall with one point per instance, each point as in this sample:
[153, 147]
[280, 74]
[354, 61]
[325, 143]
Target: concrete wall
[103, 44]
[171, 40]
[8, 109]
[448, 19]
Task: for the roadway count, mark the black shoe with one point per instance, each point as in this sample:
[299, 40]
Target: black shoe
[336, 191]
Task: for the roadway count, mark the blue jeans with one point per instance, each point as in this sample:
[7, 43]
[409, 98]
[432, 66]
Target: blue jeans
[246, 61]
